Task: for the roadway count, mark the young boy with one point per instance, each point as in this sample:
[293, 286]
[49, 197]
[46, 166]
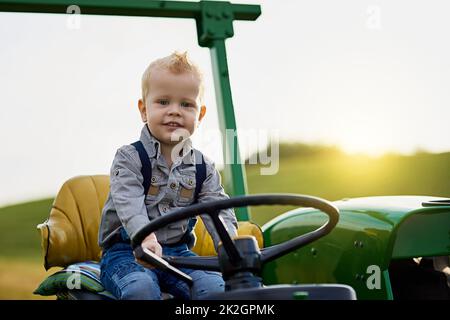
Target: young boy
[171, 108]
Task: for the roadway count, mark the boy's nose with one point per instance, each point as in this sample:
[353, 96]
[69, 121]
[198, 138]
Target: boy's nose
[174, 108]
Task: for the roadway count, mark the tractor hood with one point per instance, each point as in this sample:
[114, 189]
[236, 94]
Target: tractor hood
[370, 233]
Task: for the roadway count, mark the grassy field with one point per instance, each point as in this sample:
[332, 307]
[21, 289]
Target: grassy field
[20, 276]
[335, 176]
[323, 172]
[21, 267]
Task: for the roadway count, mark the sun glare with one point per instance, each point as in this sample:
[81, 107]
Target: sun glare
[365, 139]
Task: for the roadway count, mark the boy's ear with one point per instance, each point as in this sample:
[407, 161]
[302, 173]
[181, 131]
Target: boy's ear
[202, 113]
[142, 110]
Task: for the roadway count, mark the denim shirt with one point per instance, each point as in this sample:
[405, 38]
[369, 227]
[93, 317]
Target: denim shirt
[170, 189]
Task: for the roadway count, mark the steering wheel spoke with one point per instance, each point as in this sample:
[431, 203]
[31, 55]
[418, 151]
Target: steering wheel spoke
[210, 263]
[233, 254]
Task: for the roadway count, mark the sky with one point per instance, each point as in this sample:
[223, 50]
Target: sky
[368, 76]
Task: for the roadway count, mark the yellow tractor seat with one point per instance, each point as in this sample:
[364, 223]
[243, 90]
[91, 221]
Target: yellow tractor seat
[70, 233]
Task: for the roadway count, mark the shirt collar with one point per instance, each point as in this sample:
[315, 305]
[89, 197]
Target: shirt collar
[187, 152]
[152, 146]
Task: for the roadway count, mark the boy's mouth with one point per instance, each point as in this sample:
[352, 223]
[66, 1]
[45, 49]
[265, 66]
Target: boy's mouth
[173, 124]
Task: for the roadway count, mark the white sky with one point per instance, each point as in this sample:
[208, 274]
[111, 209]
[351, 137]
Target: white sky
[370, 76]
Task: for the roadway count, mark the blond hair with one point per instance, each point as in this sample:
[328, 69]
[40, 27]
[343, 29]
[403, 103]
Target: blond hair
[176, 63]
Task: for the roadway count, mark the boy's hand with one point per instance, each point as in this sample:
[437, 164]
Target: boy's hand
[152, 244]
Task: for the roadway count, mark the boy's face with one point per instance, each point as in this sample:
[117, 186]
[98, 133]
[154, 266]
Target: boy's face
[172, 107]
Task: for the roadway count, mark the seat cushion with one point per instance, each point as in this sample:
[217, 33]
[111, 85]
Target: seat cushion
[70, 233]
[79, 277]
[204, 245]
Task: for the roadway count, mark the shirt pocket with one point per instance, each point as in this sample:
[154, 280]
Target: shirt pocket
[186, 191]
[156, 189]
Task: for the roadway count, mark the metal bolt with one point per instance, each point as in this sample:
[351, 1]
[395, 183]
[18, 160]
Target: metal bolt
[359, 277]
[357, 244]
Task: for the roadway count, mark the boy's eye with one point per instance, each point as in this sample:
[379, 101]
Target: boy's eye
[164, 102]
[186, 104]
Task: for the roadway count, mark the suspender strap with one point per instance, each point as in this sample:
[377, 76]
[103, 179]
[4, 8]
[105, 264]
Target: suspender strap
[146, 169]
[200, 173]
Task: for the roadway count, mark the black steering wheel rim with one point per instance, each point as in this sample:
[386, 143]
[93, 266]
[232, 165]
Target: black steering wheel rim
[213, 209]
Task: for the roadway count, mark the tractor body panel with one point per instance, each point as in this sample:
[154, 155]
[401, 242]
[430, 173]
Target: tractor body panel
[370, 233]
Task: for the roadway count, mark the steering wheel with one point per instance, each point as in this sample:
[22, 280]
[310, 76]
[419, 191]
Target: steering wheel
[234, 255]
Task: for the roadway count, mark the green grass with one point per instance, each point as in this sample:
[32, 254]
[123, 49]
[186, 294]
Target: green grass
[21, 260]
[341, 176]
[18, 233]
[20, 277]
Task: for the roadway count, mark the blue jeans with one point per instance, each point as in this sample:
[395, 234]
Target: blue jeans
[126, 279]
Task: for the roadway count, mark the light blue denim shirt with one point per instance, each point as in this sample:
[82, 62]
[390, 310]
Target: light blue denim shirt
[170, 188]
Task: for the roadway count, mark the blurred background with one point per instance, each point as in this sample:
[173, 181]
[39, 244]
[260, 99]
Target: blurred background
[356, 93]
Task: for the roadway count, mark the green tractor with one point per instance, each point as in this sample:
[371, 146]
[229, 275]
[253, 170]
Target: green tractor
[390, 247]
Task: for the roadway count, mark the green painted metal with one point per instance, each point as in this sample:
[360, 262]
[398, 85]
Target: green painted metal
[214, 27]
[214, 21]
[371, 232]
[235, 169]
[143, 8]
[411, 240]
[389, 294]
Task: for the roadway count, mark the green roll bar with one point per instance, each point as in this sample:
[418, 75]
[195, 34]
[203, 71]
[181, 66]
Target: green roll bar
[214, 21]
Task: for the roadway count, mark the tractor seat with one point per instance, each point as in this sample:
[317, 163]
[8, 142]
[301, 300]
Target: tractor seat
[70, 235]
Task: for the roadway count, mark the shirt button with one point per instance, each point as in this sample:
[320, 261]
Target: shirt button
[173, 185]
[190, 182]
[153, 179]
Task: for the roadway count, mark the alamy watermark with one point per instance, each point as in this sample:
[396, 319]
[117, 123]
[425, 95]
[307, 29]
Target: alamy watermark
[374, 279]
[261, 146]
[73, 21]
[74, 280]
[373, 21]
